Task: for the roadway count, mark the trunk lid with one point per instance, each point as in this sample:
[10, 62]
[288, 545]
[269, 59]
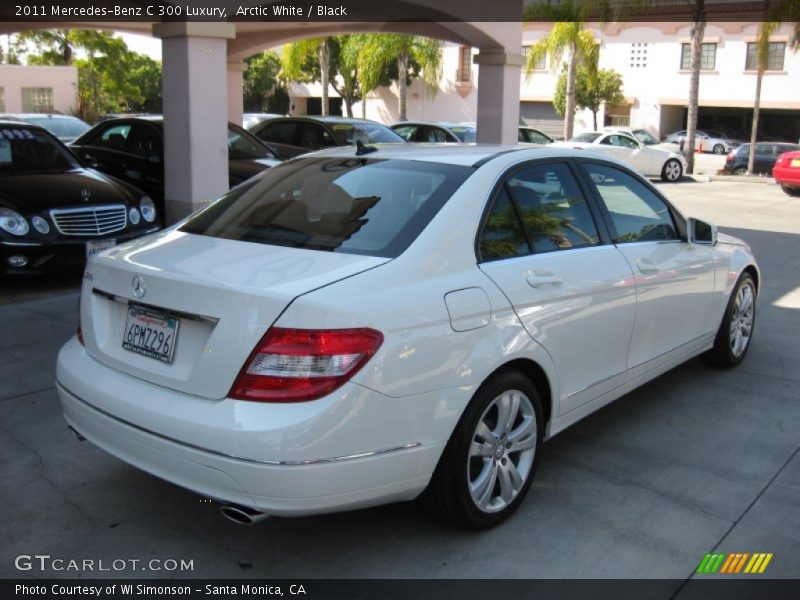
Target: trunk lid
[225, 295]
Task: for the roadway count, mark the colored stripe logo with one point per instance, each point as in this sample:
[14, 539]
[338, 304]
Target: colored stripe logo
[735, 562]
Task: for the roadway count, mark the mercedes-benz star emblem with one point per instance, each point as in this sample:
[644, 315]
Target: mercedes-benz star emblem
[86, 194]
[138, 286]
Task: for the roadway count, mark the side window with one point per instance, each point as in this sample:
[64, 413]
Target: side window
[637, 213]
[553, 208]
[434, 134]
[626, 142]
[315, 136]
[279, 133]
[407, 132]
[536, 137]
[146, 141]
[115, 137]
[765, 149]
[502, 235]
[609, 140]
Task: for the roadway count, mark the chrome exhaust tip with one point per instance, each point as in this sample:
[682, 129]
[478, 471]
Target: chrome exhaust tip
[241, 515]
[77, 435]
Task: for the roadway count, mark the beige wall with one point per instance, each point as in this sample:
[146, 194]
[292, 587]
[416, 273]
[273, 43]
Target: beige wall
[62, 80]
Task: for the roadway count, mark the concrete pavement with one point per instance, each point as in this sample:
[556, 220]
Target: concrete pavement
[699, 460]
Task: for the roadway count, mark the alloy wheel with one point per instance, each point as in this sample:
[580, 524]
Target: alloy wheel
[672, 170]
[742, 319]
[502, 451]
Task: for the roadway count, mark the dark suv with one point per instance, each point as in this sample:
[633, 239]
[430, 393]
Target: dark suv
[766, 155]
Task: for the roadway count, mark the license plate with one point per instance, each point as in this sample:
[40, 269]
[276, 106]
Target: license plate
[98, 246]
[796, 162]
[150, 333]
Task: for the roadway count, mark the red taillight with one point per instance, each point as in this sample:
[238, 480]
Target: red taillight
[729, 158]
[293, 365]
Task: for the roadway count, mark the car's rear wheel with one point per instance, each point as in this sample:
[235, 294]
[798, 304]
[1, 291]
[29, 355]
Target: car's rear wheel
[740, 171]
[672, 170]
[719, 149]
[792, 191]
[488, 465]
[736, 330]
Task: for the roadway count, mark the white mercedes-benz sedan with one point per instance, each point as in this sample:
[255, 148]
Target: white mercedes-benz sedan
[653, 162]
[357, 327]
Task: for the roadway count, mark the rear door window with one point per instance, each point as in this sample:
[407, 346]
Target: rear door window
[374, 207]
[116, 137]
[553, 209]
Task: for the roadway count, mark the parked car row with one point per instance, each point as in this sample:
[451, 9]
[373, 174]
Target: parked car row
[126, 153]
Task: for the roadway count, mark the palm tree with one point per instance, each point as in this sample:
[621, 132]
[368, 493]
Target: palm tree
[765, 29]
[379, 50]
[580, 46]
[295, 63]
[697, 32]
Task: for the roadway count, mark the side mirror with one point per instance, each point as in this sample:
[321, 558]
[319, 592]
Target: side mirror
[701, 232]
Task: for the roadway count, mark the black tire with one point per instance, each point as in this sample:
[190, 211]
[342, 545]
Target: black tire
[739, 171]
[448, 494]
[672, 170]
[723, 354]
[719, 149]
[792, 191]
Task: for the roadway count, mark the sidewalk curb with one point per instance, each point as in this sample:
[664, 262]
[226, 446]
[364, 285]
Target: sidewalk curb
[742, 179]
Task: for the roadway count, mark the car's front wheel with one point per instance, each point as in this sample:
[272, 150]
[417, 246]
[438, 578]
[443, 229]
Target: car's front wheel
[792, 191]
[736, 330]
[719, 149]
[488, 465]
[672, 170]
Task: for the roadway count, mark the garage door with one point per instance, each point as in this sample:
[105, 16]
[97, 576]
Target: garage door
[542, 116]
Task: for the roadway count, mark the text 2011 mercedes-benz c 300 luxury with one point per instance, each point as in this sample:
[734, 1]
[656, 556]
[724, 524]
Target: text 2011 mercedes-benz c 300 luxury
[357, 327]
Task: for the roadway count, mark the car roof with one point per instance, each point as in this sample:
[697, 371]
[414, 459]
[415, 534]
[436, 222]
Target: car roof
[457, 154]
[445, 124]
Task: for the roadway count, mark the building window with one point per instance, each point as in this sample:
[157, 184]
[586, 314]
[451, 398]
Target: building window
[774, 56]
[708, 56]
[541, 60]
[2, 100]
[37, 100]
[464, 73]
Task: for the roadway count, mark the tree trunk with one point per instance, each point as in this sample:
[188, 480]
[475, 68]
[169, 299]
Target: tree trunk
[754, 131]
[698, 29]
[348, 106]
[594, 120]
[364, 105]
[402, 75]
[324, 67]
[67, 54]
[569, 114]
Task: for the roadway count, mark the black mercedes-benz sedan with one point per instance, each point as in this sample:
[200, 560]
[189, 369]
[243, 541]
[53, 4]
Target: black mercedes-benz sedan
[55, 212]
[132, 149]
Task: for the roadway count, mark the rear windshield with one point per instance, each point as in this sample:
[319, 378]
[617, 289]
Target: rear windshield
[63, 127]
[348, 133]
[374, 207]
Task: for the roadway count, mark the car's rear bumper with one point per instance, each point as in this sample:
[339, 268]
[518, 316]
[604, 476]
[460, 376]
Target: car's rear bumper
[117, 412]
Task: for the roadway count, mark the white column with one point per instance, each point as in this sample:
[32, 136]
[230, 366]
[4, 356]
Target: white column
[498, 96]
[194, 87]
[235, 91]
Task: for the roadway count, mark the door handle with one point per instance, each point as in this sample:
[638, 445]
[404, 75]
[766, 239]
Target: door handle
[538, 279]
[647, 265]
